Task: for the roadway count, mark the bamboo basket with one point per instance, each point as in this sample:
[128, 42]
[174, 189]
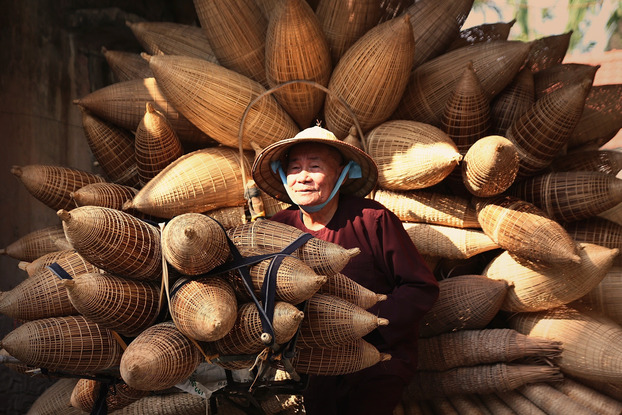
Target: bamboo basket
[113, 148]
[43, 261]
[495, 405]
[447, 241]
[246, 334]
[70, 344]
[606, 297]
[159, 358]
[411, 155]
[512, 102]
[331, 322]
[229, 217]
[485, 32]
[271, 6]
[123, 104]
[114, 241]
[589, 397]
[194, 243]
[570, 196]
[166, 404]
[551, 400]
[215, 98]
[126, 66]
[340, 285]
[125, 306]
[197, 182]
[548, 51]
[519, 403]
[236, 31]
[429, 207]
[37, 243]
[541, 132]
[345, 23]
[156, 144]
[296, 48]
[430, 85]
[604, 161]
[109, 195]
[86, 392]
[341, 360]
[171, 38]
[55, 399]
[596, 230]
[325, 258]
[478, 379]
[537, 287]
[204, 309]
[490, 166]
[52, 185]
[485, 346]
[525, 230]
[561, 75]
[591, 342]
[464, 302]
[43, 295]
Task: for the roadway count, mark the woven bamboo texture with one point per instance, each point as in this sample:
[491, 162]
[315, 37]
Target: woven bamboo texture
[43, 261]
[120, 304]
[43, 295]
[548, 51]
[271, 6]
[214, 98]
[126, 65]
[113, 148]
[466, 117]
[537, 287]
[52, 185]
[123, 104]
[518, 403]
[429, 207]
[275, 404]
[479, 379]
[159, 358]
[156, 144]
[194, 243]
[37, 243]
[541, 132]
[604, 161]
[512, 102]
[591, 342]
[606, 297]
[109, 195]
[570, 196]
[228, 217]
[485, 32]
[346, 288]
[525, 230]
[172, 38]
[464, 302]
[490, 166]
[551, 400]
[596, 230]
[69, 344]
[411, 155]
[204, 309]
[430, 85]
[561, 75]
[494, 404]
[331, 322]
[296, 48]
[371, 77]
[345, 23]
[601, 118]
[197, 182]
[341, 360]
[55, 399]
[589, 397]
[325, 258]
[245, 335]
[236, 31]
[85, 394]
[448, 242]
[167, 404]
[114, 241]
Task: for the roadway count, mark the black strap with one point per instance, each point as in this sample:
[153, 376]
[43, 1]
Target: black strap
[100, 407]
[59, 271]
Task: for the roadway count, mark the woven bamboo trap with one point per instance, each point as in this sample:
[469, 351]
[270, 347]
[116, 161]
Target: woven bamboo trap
[604, 161]
[525, 230]
[55, 399]
[156, 144]
[429, 207]
[596, 230]
[86, 392]
[606, 297]
[52, 185]
[194, 243]
[512, 102]
[38, 243]
[120, 304]
[448, 242]
[204, 309]
[126, 66]
[43, 261]
[166, 404]
[464, 302]
[548, 51]
[69, 344]
[518, 403]
[229, 217]
[197, 182]
[561, 75]
[342, 286]
[411, 155]
[371, 77]
[114, 241]
[551, 400]
[589, 397]
[109, 195]
[159, 358]
[485, 32]
[331, 322]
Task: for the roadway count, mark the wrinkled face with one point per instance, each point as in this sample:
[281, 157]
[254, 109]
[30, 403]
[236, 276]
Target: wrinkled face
[312, 171]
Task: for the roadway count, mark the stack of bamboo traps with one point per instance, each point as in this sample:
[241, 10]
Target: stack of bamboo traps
[488, 152]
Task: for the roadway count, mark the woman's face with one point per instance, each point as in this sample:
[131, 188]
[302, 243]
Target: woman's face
[312, 171]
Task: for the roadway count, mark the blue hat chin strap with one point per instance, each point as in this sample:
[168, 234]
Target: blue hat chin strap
[351, 170]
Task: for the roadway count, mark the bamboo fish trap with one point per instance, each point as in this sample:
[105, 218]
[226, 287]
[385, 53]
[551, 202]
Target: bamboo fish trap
[596, 230]
[109, 195]
[606, 297]
[512, 102]
[485, 32]
[548, 51]
[228, 217]
[86, 392]
[55, 399]
[340, 285]
[588, 396]
[166, 404]
[126, 66]
[114, 241]
[553, 401]
[518, 403]
[44, 260]
[37, 243]
[604, 161]
[561, 75]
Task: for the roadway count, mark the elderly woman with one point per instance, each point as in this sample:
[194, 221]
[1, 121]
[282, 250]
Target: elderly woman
[326, 180]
